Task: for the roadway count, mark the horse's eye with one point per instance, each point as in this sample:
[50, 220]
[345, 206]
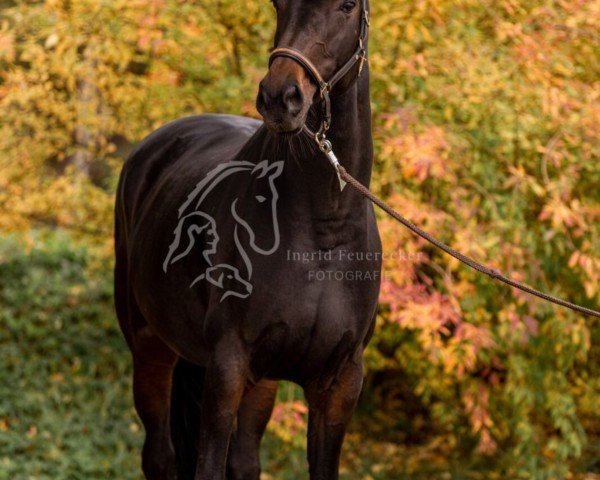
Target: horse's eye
[348, 6]
[260, 198]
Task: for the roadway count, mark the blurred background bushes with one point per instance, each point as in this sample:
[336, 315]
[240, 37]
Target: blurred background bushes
[486, 125]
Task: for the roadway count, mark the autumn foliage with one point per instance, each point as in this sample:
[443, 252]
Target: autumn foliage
[486, 127]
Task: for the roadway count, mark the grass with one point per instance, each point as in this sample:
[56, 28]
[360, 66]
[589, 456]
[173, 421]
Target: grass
[66, 409]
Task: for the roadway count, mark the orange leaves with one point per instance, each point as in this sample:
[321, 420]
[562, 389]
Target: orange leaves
[476, 401]
[590, 266]
[414, 308]
[424, 155]
[151, 30]
[295, 412]
[421, 153]
[165, 76]
[564, 216]
[7, 43]
[488, 138]
[436, 319]
[289, 420]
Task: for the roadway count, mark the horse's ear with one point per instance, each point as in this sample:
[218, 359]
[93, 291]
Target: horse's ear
[264, 169]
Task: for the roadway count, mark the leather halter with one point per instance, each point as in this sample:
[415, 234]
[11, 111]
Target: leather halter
[359, 56]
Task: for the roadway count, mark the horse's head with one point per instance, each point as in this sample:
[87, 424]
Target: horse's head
[260, 204]
[326, 34]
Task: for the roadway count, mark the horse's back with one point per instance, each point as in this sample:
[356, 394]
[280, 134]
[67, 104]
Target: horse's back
[191, 146]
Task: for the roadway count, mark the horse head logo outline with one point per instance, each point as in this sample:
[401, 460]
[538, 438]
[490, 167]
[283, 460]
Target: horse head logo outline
[198, 229]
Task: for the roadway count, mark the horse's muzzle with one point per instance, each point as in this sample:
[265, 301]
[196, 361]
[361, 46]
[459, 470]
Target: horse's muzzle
[284, 97]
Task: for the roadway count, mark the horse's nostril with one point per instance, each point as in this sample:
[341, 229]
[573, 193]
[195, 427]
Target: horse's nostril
[262, 99]
[292, 98]
[262, 95]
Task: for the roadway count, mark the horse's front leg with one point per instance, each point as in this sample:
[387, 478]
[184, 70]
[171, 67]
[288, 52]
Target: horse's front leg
[330, 410]
[225, 380]
[243, 461]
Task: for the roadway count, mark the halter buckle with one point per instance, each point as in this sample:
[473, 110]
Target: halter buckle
[361, 62]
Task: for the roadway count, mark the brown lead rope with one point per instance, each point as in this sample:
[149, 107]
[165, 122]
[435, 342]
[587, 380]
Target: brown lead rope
[359, 187]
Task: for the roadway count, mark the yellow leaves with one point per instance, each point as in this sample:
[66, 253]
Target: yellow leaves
[410, 31]
[590, 266]
[476, 402]
[508, 31]
[473, 243]
[427, 317]
[554, 99]
[421, 154]
[520, 179]
[564, 216]
[448, 112]
[164, 75]
[7, 44]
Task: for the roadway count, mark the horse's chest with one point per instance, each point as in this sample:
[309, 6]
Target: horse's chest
[317, 295]
[297, 323]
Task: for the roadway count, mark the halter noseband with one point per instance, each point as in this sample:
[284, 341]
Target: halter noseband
[359, 56]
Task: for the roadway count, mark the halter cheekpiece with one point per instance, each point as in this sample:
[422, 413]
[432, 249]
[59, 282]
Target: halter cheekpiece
[358, 57]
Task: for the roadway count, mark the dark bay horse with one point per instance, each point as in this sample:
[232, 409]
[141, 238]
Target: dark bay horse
[213, 214]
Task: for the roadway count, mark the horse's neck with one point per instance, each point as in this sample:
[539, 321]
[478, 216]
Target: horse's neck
[350, 135]
[350, 131]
